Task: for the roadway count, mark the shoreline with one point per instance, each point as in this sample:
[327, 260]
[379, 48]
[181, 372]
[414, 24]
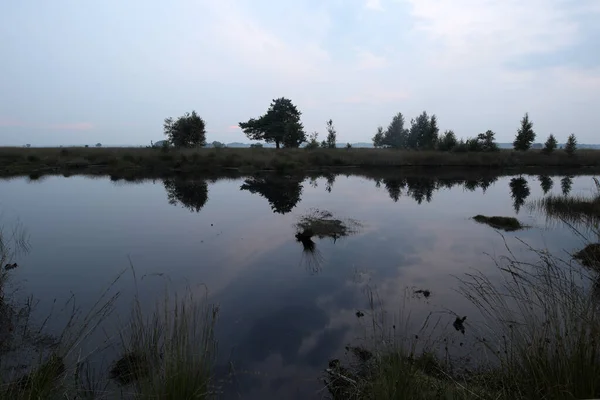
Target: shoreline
[147, 162]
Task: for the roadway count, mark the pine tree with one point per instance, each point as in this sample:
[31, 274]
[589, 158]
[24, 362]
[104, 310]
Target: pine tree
[525, 135]
[550, 145]
[430, 137]
[571, 145]
[396, 135]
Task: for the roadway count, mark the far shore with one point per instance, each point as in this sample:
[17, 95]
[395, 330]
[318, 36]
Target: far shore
[151, 162]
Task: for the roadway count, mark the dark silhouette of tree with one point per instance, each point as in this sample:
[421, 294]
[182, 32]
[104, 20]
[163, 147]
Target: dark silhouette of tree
[571, 145]
[331, 135]
[525, 135]
[396, 135]
[282, 193]
[419, 131]
[550, 145]
[280, 125]
[447, 141]
[191, 194]
[519, 191]
[378, 138]
[188, 130]
[566, 184]
[546, 183]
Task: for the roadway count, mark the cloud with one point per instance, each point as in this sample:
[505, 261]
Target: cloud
[374, 5]
[368, 60]
[233, 128]
[489, 31]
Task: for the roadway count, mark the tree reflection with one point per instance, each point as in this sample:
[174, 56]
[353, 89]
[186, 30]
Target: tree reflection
[191, 194]
[282, 193]
[546, 183]
[566, 185]
[519, 191]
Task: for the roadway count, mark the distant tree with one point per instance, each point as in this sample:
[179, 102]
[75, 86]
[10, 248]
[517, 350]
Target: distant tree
[218, 145]
[87, 145]
[280, 125]
[566, 183]
[188, 130]
[324, 144]
[191, 194]
[378, 138]
[447, 141]
[28, 145]
[474, 144]
[421, 133]
[98, 144]
[348, 146]
[550, 145]
[429, 140]
[282, 193]
[571, 145]
[256, 146]
[519, 191]
[331, 135]
[487, 141]
[525, 135]
[313, 142]
[396, 135]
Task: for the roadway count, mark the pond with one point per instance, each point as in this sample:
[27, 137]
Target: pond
[288, 304]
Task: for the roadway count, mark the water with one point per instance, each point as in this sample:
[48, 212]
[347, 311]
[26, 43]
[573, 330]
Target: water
[284, 313]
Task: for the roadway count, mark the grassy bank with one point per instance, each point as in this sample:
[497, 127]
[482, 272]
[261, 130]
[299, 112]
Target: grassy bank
[165, 352]
[538, 340]
[156, 162]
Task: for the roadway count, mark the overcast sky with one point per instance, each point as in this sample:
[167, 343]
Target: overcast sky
[75, 72]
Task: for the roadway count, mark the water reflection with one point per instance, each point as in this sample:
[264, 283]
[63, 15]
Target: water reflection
[566, 183]
[191, 194]
[519, 191]
[282, 192]
[546, 183]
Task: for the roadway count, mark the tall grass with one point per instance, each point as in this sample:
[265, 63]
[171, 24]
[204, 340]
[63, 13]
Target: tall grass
[170, 353]
[538, 338]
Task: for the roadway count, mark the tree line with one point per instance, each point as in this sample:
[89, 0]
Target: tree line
[282, 126]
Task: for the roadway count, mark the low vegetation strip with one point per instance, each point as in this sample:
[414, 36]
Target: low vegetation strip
[41, 161]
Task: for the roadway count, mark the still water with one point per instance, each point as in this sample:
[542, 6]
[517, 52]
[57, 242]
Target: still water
[284, 311]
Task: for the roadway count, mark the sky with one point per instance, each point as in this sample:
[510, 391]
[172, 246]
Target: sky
[80, 72]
